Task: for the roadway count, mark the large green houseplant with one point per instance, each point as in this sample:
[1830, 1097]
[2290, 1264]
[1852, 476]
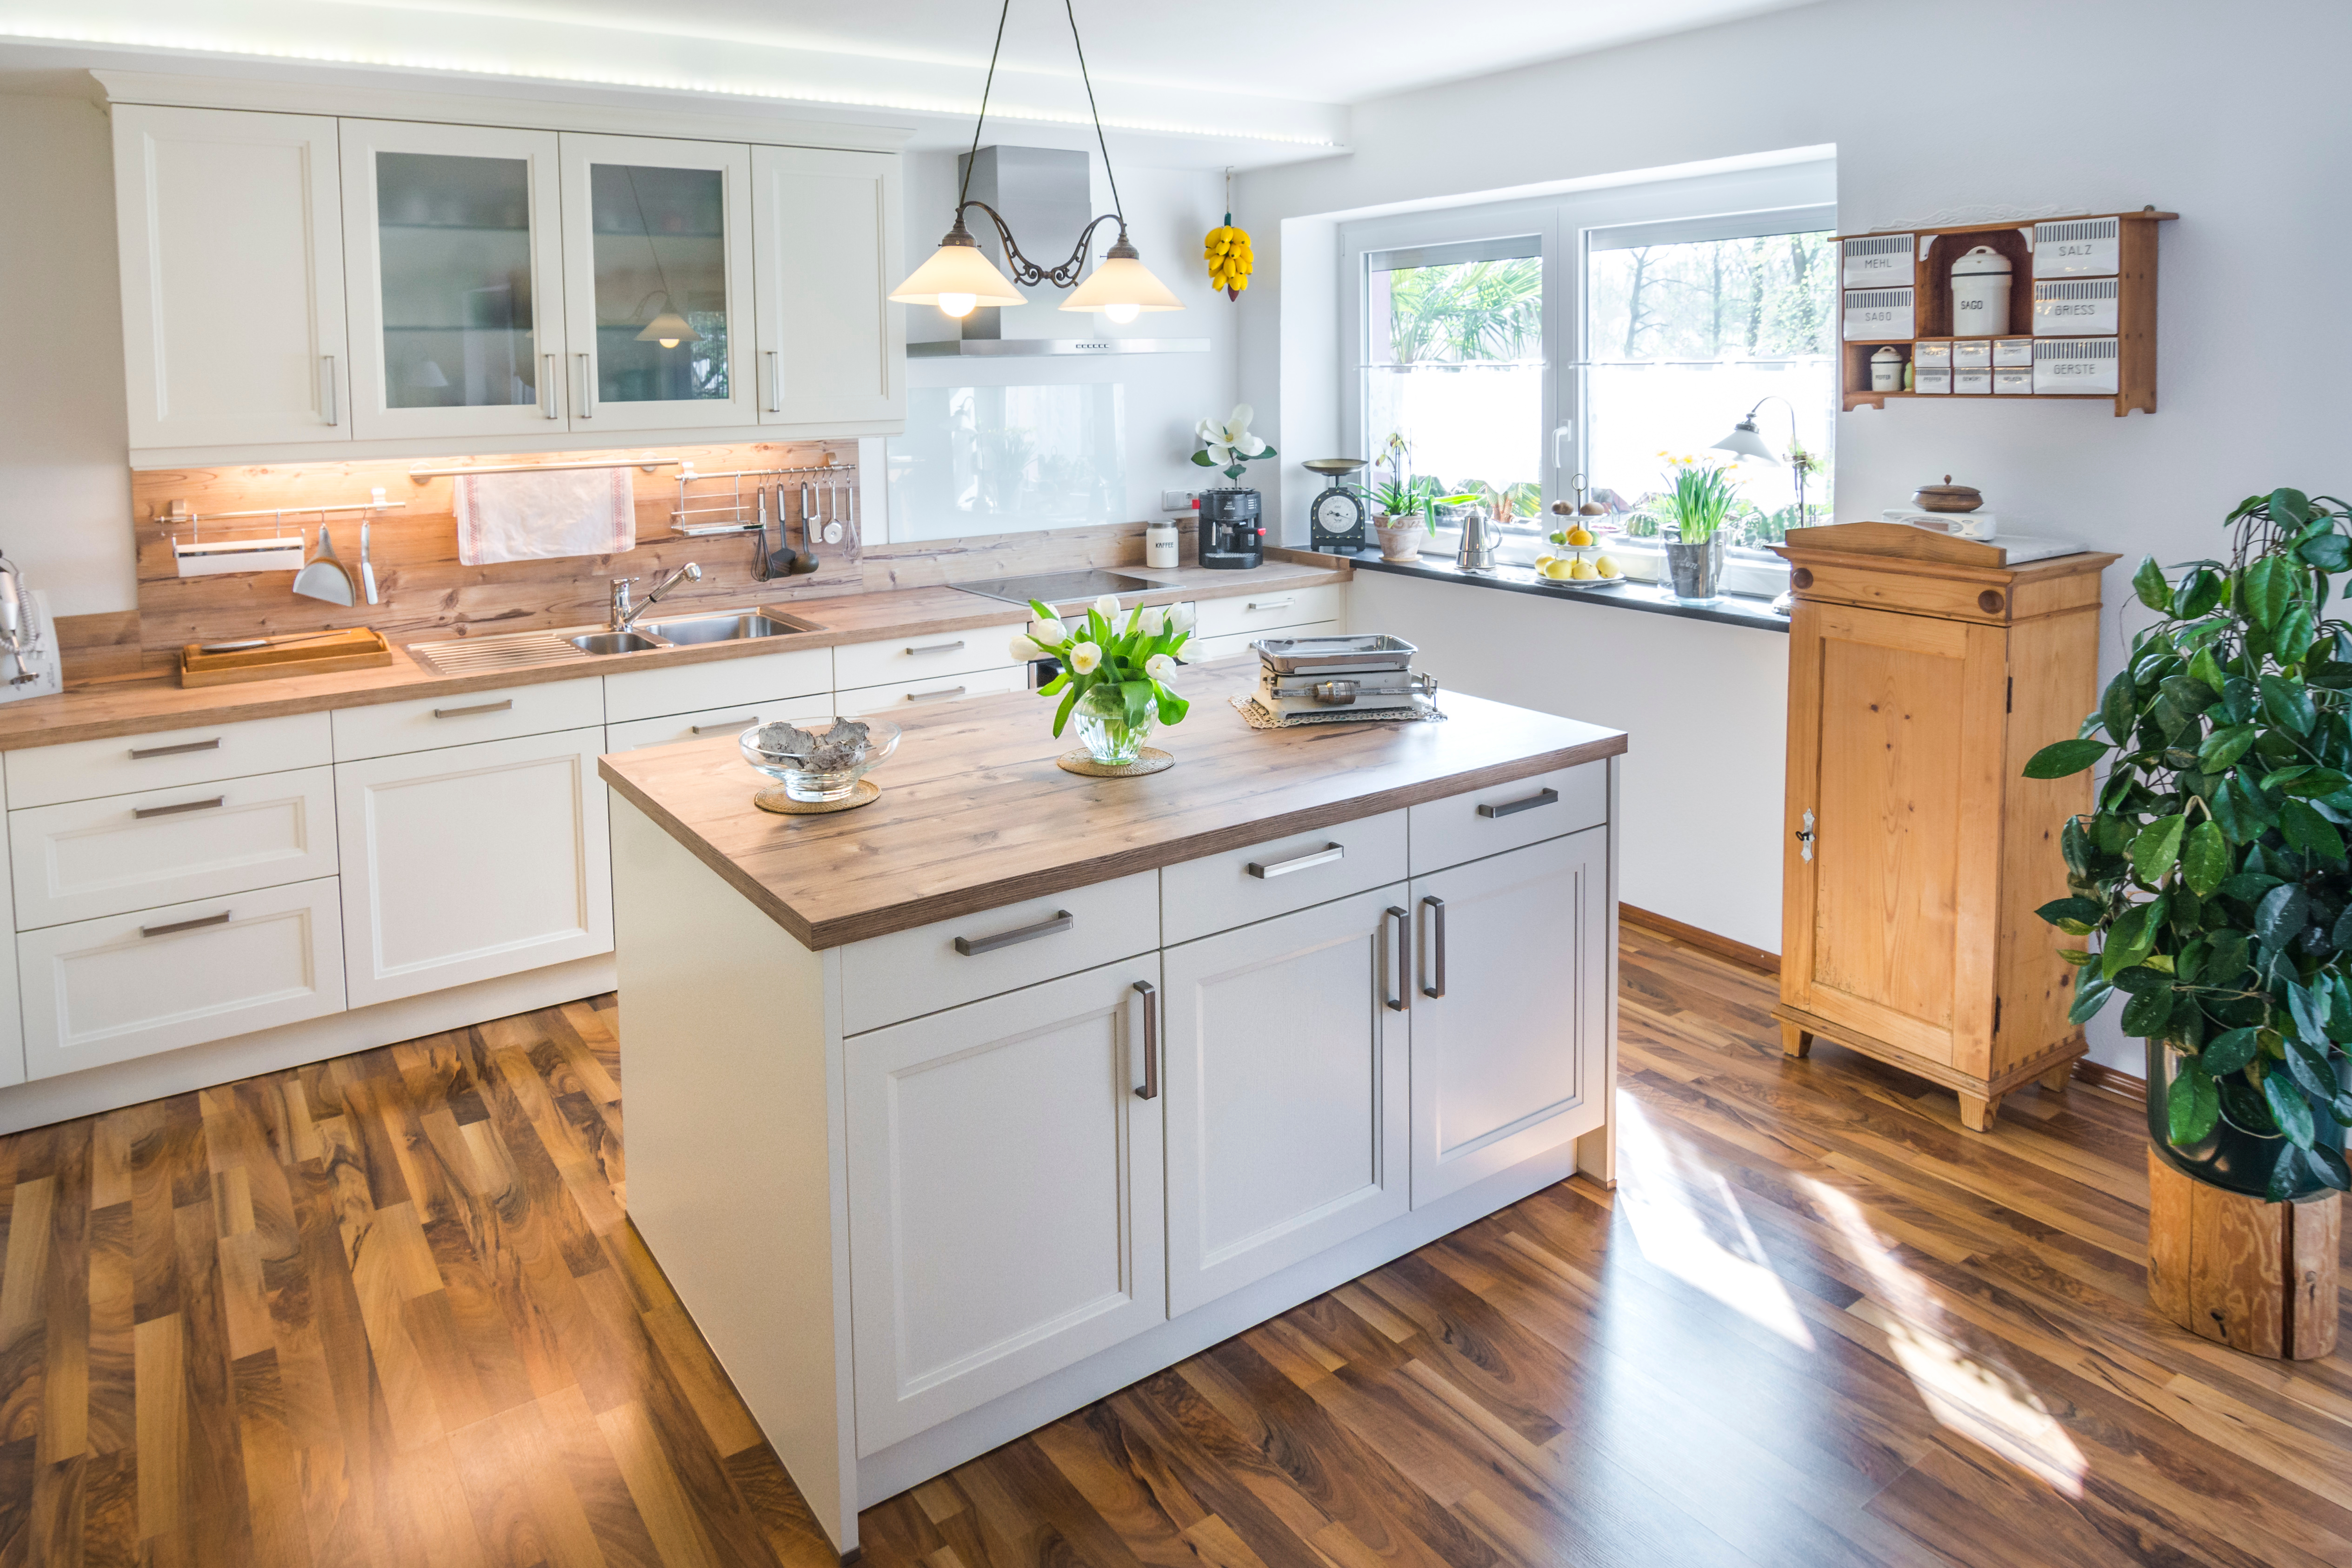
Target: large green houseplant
[2212, 874]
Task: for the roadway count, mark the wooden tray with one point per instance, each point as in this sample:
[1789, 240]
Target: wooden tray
[359, 648]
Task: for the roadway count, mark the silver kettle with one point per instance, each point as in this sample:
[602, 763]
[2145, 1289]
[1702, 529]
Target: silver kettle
[20, 632]
[1480, 539]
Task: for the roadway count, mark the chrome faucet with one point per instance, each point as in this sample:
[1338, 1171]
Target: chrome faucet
[625, 614]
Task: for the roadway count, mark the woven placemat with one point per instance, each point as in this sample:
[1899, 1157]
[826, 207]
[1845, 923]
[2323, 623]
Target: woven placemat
[773, 798]
[1425, 712]
[1151, 760]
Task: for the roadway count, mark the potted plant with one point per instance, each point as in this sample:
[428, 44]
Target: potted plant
[1395, 500]
[1696, 507]
[2211, 882]
[1116, 679]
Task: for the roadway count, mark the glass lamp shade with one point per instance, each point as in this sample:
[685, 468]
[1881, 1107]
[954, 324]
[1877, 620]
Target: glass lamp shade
[669, 329]
[957, 275]
[1119, 288]
[1744, 442]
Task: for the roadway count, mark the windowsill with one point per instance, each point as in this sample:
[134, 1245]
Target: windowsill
[1731, 609]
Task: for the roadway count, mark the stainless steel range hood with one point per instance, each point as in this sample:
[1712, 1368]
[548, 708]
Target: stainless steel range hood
[1044, 196]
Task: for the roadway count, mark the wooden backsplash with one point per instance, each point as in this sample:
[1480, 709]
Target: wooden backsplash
[427, 593]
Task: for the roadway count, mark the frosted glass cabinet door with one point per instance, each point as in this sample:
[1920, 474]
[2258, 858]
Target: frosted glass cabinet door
[456, 280]
[833, 349]
[232, 277]
[656, 269]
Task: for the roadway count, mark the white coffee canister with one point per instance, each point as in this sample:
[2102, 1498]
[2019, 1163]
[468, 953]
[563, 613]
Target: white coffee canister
[1980, 294]
[1159, 542]
[1887, 369]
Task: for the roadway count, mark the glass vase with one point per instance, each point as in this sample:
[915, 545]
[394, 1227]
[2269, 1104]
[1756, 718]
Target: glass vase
[1103, 728]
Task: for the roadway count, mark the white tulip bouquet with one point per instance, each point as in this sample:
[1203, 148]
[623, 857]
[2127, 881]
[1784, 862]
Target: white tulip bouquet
[1138, 658]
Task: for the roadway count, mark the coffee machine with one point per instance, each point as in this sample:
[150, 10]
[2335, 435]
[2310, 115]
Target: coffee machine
[1232, 539]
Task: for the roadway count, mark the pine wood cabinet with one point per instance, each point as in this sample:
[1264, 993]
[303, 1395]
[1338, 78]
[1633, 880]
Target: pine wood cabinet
[1917, 853]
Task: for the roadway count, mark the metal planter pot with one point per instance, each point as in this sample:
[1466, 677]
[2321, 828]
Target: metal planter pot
[1694, 572]
[2228, 1158]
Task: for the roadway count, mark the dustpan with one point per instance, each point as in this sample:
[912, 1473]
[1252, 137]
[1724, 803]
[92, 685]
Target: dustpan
[325, 578]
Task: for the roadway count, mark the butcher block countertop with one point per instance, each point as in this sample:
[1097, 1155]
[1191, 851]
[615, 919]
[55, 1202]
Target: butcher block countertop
[974, 813]
[100, 709]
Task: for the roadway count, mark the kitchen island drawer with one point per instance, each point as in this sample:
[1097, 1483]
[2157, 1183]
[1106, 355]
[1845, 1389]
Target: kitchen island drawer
[919, 658]
[83, 769]
[1264, 611]
[711, 722]
[387, 729]
[1482, 822]
[694, 687]
[885, 979]
[887, 701]
[1234, 645]
[130, 985]
[85, 859]
[1217, 892]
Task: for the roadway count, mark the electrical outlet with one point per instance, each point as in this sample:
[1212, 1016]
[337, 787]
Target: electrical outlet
[1176, 501]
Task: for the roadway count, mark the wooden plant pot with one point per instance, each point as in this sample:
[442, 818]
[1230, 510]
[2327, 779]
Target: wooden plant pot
[2257, 1277]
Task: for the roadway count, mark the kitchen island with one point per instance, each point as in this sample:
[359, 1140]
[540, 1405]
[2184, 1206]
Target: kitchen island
[953, 1113]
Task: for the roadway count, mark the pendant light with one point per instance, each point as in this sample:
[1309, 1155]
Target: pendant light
[668, 328]
[959, 277]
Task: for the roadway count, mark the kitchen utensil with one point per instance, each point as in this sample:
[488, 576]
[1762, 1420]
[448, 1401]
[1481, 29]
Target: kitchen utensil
[1479, 542]
[809, 529]
[1353, 654]
[268, 659]
[783, 560]
[1233, 537]
[759, 550]
[1948, 497]
[325, 577]
[244, 643]
[1367, 690]
[367, 567]
[1337, 518]
[211, 557]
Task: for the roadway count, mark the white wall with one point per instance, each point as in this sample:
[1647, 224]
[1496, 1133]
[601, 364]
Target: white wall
[65, 488]
[2230, 116]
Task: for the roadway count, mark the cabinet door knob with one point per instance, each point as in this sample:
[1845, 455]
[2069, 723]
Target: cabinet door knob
[1402, 1000]
[1151, 1089]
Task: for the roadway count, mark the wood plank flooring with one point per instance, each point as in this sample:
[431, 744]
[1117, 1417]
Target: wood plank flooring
[387, 1310]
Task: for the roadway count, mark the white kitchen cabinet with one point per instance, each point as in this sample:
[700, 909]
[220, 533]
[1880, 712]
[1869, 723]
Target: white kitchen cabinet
[886, 701]
[230, 231]
[12, 1020]
[454, 258]
[833, 349]
[914, 659]
[657, 282]
[1289, 1091]
[1231, 645]
[732, 719]
[801, 677]
[467, 862]
[1267, 610]
[1006, 1202]
[1510, 1009]
[130, 986]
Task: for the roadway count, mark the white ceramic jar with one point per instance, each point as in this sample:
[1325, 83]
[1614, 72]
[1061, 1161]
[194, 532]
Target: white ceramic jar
[1887, 369]
[1160, 543]
[1980, 280]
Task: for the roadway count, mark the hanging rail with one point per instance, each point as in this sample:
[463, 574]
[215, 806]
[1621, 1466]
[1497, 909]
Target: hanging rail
[173, 517]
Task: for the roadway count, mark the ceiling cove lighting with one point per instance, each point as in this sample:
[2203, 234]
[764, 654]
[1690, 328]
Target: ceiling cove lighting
[959, 277]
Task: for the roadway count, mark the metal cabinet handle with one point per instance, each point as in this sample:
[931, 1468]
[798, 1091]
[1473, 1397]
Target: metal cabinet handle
[547, 380]
[219, 920]
[1267, 605]
[973, 946]
[138, 753]
[328, 399]
[586, 404]
[1513, 807]
[775, 383]
[943, 691]
[1323, 857]
[738, 723]
[1151, 1089]
[1402, 1000]
[144, 812]
[1432, 901]
[499, 707]
[939, 647]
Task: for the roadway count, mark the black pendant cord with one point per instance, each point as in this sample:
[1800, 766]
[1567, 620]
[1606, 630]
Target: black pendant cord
[986, 87]
[1071, 12]
[648, 230]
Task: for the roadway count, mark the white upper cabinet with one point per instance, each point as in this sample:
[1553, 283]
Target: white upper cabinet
[232, 257]
[656, 292]
[454, 254]
[833, 349]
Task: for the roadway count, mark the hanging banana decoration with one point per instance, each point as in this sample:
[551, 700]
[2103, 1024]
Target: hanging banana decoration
[1227, 251]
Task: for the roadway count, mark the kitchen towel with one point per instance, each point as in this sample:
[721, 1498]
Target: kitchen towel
[530, 517]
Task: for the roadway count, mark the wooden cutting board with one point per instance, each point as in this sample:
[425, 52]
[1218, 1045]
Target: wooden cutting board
[359, 647]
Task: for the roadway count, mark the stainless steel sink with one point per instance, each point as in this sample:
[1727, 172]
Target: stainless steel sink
[521, 650]
[730, 628]
[614, 642]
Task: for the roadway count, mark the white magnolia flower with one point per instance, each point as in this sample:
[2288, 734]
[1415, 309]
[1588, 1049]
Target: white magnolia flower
[1181, 617]
[1232, 438]
[1155, 620]
[1085, 656]
[1022, 650]
[1050, 632]
[1160, 668]
[1107, 607]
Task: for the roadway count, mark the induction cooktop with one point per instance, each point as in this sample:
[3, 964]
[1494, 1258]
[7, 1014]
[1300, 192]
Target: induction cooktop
[1059, 588]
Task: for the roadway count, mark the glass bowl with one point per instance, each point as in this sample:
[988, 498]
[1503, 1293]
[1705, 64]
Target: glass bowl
[811, 786]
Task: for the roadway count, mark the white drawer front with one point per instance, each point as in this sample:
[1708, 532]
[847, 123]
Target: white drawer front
[918, 659]
[1201, 649]
[887, 978]
[92, 857]
[1217, 892]
[82, 770]
[389, 728]
[692, 688]
[130, 986]
[1264, 611]
[1504, 817]
[714, 721]
[887, 701]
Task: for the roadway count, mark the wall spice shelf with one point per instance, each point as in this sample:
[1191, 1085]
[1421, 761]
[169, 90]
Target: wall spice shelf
[2082, 311]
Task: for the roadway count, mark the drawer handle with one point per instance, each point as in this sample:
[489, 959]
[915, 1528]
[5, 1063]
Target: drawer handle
[973, 946]
[1402, 1000]
[219, 920]
[211, 745]
[739, 722]
[1267, 605]
[1323, 857]
[939, 647]
[144, 812]
[1512, 807]
[944, 691]
[1151, 1089]
[1433, 903]
[500, 708]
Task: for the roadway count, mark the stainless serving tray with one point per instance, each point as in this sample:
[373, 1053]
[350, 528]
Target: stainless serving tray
[1360, 653]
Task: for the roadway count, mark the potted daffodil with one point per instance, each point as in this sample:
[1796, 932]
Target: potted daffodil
[1118, 678]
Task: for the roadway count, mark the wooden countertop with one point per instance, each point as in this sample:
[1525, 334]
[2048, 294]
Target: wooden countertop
[974, 815]
[95, 709]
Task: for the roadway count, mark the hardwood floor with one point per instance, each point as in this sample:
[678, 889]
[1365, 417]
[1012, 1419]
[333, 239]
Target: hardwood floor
[386, 1309]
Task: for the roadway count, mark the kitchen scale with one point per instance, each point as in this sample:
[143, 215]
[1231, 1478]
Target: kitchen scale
[1336, 516]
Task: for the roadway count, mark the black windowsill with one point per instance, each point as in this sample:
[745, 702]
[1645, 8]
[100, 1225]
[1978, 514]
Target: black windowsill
[1731, 610]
